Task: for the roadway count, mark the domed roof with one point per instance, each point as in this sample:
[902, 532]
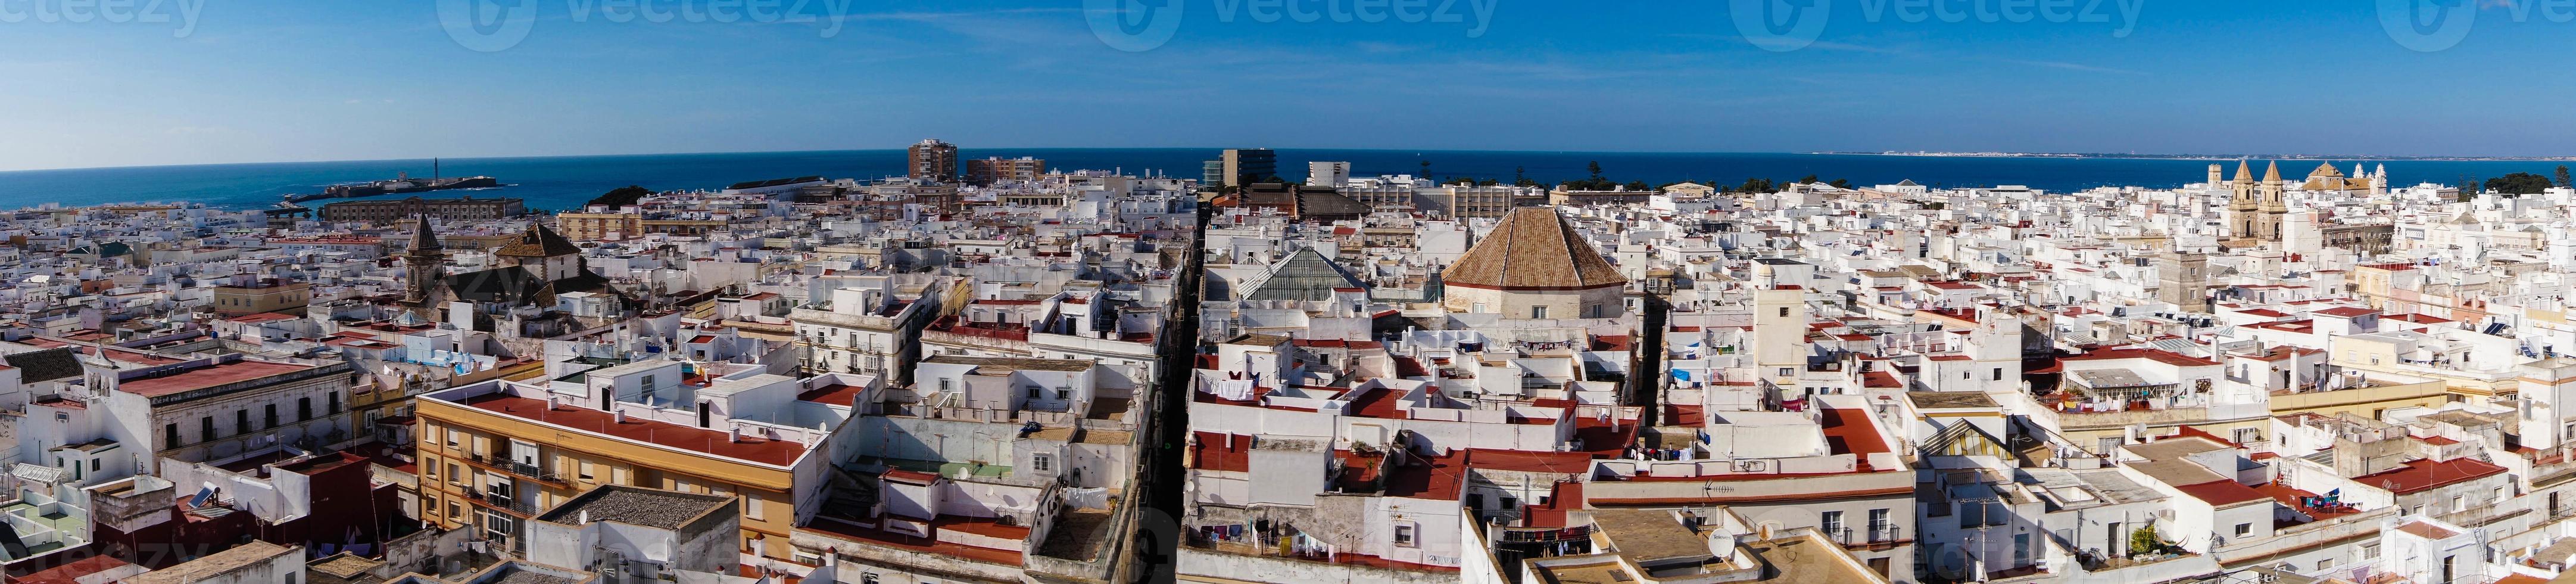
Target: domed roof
[1533, 249]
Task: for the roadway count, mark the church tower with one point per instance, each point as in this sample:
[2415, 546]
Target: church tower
[2274, 208]
[2242, 205]
[425, 264]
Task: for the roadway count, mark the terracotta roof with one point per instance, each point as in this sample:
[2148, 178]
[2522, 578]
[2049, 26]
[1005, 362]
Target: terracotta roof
[2223, 493]
[1533, 249]
[2422, 474]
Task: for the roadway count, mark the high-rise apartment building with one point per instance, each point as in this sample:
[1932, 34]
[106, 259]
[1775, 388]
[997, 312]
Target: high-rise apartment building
[1241, 166]
[934, 160]
[997, 169]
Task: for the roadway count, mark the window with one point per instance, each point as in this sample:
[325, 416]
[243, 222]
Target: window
[1879, 526]
[1784, 312]
[1042, 462]
[170, 432]
[1833, 524]
[2244, 529]
[2370, 551]
[751, 506]
[241, 422]
[335, 403]
[303, 409]
[206, 427]
[453, 435]
[1785, 372]
[946, 385]
[1999, 374]
[2248, 435]
[455, 510]
[272, 415]
[2459, 503]
[1404, 534]
[1538, 312]
[585, 470]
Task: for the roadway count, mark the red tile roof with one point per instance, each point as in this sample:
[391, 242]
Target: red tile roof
[2223, 493]
[188, 380]
[701, 440]
[2159, 355]
[2423, 474]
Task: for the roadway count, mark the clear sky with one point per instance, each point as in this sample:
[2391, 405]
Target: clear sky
[249, 81]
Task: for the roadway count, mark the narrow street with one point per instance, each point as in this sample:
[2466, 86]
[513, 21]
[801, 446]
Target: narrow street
[1157, 525]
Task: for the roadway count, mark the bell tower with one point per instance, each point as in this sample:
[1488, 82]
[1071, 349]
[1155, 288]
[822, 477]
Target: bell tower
[425, 263]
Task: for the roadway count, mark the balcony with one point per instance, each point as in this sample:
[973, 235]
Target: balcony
[502, 501]
[517, 469]
[1876, 537]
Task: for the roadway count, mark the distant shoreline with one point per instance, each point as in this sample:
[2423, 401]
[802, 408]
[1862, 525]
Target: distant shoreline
[2209, 157]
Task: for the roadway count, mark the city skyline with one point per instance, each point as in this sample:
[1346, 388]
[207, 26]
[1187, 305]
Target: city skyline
[236, 84]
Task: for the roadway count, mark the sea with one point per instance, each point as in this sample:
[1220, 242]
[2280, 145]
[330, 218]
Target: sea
[566, 182]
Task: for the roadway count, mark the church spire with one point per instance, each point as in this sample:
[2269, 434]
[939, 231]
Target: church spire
[2244, 170]
[2273, 174]
[423, 239]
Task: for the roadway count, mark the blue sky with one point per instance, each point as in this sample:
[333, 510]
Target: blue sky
[324, 80]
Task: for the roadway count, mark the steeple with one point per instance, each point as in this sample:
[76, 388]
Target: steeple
[424, 240]
[2244, 171]
[425, 265]
[2272, 174]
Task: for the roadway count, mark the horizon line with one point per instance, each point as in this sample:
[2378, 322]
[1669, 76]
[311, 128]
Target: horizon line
[962, 148]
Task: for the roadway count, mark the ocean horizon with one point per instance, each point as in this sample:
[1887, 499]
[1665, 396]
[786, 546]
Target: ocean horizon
[565, 182]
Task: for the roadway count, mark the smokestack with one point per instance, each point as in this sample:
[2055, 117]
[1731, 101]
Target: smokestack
[617, 415]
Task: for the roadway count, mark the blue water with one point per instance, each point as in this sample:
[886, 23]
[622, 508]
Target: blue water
[566, 182]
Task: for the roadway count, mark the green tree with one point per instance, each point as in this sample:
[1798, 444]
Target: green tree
[2565, 181]
[1811, 179]
[1841, 183]
[625, 196]
[1596, 170]
[1639, 185]
[1756, 185]
[1426, 169]
[2144, 540]
[1520, 175]
[2520, 183]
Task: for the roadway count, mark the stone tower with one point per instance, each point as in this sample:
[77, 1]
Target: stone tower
[425, 267]
[2185, 280]
[2268, 226]
[2243, 204]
